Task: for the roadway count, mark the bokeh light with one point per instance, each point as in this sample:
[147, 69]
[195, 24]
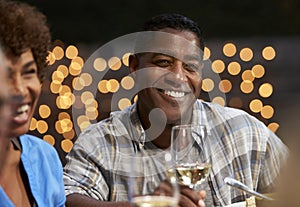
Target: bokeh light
[66, 145]
[225, 86]
[58, 53]
[256, 105]
[50, 139]
[234, 68]
[268, 53]
[127, 82]
[44, 111]
[229, 49]
[114, 63]
[246, 54]
[71, 52]
[258, 71]
[207, 85]
[246, 86]
[123, 103]
[206, 54]
[218, 66]
[265, 90]
[100, 64]
[219, 100]
[42, 126]
[267, 112]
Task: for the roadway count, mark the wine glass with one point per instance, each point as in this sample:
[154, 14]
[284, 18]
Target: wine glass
[192, 156]
[151, 182]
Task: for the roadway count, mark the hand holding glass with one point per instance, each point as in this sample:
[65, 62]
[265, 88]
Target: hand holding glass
[192, 157]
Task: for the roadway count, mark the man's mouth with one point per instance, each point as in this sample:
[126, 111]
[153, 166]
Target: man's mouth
[175, 94]
[172, 93]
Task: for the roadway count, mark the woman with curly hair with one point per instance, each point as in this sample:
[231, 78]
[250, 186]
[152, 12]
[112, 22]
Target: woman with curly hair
[31, 174]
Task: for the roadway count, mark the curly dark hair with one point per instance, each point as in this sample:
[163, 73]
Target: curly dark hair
[174, 21]
[23, 27]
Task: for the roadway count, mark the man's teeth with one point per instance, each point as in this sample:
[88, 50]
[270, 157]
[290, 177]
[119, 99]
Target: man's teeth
[175, 94]
[23, 108]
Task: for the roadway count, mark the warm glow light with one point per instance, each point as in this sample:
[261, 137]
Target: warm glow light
[64, 70]
[58, 127]
[86, 78]
[63, 115]
[219, 100]
[71, 52]
[78, 84]
[127, 82]
[100, 64]
[64, 89]
[225, 86]
[234, 68]
[66, 125]
[102, 86]
[123, 103]
[206, 54]
[64, 102]
[87, 97]
[265, 90]
[44, 111]
[268, 53]
[91, 113]
[125, 59]
[258, 71]
[267, 112]
[58, 76]
[69, 135]
[114, 63]
[55, 86]
[81, 119]
[112, 85]
[246, 86]
[66, 145]
[236, 102]
[273, 126]
[135, 98]
[246, 54]
[41, 126]
[77, 63]
[50, 58]
[256, 105]
[207, 85]
[74, 69]
[50, 139]
[229, 49]
[58, 52]
[84, 125]
[218, 66]
[248, 75]
[32, 124]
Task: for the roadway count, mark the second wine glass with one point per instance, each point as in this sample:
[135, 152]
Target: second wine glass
[191, 154]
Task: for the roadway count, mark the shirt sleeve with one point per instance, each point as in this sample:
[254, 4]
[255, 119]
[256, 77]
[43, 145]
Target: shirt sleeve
[83, 172]
[276, 155]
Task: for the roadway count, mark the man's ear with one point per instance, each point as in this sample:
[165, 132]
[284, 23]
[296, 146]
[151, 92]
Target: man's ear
[133, 63]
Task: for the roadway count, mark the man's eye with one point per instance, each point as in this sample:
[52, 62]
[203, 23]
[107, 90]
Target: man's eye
[162, 62]
[192, 67]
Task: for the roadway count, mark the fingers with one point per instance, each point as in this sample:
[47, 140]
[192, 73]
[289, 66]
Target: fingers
[191, 198]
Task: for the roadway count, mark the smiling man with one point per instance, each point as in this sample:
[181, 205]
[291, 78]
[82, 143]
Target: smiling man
[167, 66]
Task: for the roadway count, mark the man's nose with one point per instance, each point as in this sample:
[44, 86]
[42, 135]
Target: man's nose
[178, 69]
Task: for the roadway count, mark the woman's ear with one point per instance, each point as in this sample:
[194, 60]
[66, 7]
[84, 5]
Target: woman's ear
[133, 63]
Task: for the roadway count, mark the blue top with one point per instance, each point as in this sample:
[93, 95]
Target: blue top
[44, 171]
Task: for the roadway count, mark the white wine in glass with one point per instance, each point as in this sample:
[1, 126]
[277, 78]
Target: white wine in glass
[150, 186]
[192, 156]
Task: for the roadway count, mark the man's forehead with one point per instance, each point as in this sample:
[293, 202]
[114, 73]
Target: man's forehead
[167, 43]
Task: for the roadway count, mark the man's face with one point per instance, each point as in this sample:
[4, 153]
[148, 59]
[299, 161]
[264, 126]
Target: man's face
[171, 74]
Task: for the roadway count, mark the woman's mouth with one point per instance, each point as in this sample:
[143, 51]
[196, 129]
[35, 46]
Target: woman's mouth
[21, 114]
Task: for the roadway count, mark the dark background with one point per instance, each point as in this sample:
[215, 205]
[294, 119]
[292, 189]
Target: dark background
[256, 23]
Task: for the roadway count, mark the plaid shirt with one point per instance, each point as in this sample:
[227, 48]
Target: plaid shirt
[243, 148]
